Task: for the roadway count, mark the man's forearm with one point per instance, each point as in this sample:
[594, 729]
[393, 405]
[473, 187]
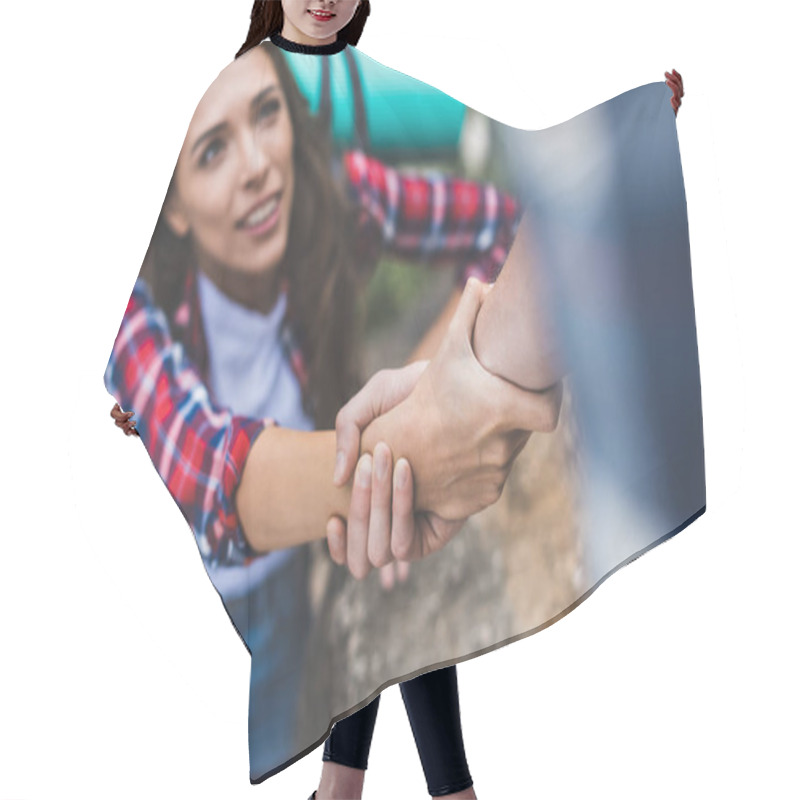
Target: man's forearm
[514, 337]
[286, 494]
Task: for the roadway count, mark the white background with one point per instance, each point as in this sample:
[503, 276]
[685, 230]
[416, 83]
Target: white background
[120, 674]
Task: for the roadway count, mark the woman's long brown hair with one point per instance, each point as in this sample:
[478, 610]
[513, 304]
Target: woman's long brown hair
[266, 19]
[325, 276]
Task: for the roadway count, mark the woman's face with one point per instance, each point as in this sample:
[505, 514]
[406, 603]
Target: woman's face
[235, 172]
[316, 21]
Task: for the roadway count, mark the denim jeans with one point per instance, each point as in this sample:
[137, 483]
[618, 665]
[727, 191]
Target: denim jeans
[274, 618]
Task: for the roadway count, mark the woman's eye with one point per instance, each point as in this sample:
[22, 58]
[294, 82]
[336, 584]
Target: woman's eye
[269, 108]
[213, 148]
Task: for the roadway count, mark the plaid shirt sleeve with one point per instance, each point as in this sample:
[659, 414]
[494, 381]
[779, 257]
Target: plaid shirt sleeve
[199, 449]
[435, 214]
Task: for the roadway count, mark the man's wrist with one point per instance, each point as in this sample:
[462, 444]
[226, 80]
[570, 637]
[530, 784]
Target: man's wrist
[391, 429]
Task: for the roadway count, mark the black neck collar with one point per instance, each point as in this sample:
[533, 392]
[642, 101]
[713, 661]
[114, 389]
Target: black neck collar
[316, 49]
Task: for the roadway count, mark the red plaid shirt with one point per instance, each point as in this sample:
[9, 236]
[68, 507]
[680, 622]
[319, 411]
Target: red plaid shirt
[159, 367]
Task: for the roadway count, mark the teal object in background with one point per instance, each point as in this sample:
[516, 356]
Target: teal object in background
[402, 113]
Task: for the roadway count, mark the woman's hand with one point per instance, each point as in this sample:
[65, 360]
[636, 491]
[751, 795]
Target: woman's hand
[460, 426]
[675, 82]
[124, 420]
[392, 573]
[382, 391]
[381, 524]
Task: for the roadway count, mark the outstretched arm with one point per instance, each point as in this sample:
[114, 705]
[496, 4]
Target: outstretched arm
[513, 339]
[285, 494]
[514, 333]
[512, 313]
[244, 485]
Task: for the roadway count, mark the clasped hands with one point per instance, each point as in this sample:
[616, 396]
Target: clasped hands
[437, 440]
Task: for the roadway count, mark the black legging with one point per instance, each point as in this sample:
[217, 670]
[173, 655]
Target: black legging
[432, 706]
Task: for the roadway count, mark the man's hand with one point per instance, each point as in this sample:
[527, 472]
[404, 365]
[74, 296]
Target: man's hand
[382, 392]
[462, 427]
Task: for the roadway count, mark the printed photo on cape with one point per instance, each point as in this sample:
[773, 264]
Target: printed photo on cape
[390, 195]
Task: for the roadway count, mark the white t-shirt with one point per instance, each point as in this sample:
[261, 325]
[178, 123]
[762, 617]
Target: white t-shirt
[250, 374]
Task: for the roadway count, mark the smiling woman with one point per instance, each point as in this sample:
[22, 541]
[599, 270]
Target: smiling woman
[241, 338]
[317, 22]
[241, 131]
[269, 19]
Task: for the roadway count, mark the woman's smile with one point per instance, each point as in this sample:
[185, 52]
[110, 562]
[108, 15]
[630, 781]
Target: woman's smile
[321, 16]
[316, 22]
[264, 217]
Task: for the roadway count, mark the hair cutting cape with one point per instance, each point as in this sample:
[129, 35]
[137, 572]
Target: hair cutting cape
[399, 193]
